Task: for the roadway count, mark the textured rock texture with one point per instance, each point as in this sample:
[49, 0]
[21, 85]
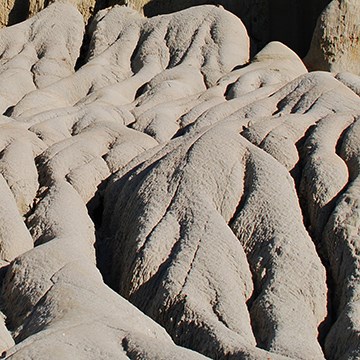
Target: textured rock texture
[289, 21]
[170, 198]
[336, 42]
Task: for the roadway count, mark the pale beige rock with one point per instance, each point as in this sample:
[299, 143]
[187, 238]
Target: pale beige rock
[325, 166]
[336, 41]
[14, 237]
[274, 65]
[272, 68]
[183, 229]
[38, 52]
[115, 59]
[17, 166]
[352, 81]
[58, 300]
[218, 196]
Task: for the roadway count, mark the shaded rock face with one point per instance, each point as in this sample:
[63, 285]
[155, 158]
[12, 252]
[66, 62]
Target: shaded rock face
[291, 22]
[170, 199]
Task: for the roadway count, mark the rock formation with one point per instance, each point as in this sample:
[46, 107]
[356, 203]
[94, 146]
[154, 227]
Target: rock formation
[289, 21]
[170, 198]
[336, 42]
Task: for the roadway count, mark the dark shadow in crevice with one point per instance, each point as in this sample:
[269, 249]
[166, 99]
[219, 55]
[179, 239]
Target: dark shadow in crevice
[19, 12]
[141, 90]
[297, 171]
[95, 206]
[85, 46]
[328, 322]
[241, 66]
[84, 50]
[8, 112]
[95, 209]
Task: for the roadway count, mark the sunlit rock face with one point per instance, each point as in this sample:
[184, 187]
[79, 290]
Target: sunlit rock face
[167, 196]
[336, 42]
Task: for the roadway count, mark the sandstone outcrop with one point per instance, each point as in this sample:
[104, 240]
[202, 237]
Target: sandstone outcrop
[171, 198]
[336, 41]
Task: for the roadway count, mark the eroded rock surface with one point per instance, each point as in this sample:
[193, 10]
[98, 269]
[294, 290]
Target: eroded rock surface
[289, 21]
[171, 198]
[336, 41]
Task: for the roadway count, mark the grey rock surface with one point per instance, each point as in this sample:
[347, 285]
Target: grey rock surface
[170, 198]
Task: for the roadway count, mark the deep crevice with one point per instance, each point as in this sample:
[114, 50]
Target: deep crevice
[85, 46]
[84, 50]
[96, 205]
[297, 170]
[9, 111]
[40, 194]
[141, 90]
[244, 196]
